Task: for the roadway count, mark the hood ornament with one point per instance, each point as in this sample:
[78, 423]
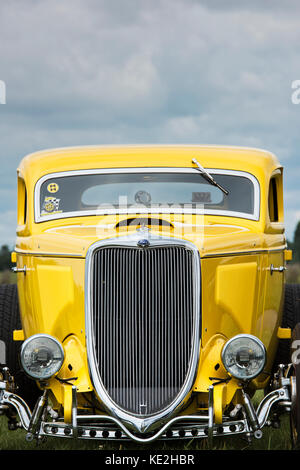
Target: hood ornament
[143, 243]
[143, 230]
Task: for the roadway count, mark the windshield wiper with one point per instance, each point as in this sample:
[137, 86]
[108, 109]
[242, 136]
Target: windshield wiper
[208, 177]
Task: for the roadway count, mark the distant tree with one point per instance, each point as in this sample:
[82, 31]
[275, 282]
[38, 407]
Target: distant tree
[296, 244]
[5, 261]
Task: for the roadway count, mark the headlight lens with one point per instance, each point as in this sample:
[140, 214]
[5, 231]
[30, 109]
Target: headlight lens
[244, 357]
[42, 356]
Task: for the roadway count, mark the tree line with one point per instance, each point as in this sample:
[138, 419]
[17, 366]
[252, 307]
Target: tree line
[295, 244]
[5, 261]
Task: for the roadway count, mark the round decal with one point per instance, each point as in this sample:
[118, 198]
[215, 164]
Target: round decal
[52, 187]
[49, 206]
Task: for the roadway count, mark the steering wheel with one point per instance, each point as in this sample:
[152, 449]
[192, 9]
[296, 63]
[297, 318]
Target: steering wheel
[142, 197]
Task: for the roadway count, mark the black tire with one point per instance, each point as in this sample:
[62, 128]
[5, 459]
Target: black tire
[10, 321]
[290, 318]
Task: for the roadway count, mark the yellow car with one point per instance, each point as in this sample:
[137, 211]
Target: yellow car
[151, 300]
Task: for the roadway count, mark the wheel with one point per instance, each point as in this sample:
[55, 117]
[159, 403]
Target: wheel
[10, 321]
[290, 318]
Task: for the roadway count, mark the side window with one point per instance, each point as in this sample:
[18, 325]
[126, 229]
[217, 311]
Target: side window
[273, 200]
[22, 202]
[276, 198]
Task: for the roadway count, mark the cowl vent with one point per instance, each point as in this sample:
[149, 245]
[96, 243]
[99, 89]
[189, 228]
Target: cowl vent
[137, 222]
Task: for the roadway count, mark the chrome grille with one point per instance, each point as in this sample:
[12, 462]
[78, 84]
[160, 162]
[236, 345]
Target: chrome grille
[142, 317]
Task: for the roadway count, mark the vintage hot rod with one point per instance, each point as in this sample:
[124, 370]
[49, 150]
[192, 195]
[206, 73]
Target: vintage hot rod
[151, 300]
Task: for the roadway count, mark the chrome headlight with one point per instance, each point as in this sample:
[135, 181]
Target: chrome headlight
[41, 356]
[244, 357]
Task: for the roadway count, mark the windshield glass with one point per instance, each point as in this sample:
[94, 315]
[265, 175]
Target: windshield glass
[67, 195]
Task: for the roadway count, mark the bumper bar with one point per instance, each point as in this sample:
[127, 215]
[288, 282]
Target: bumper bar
[180, 427]
[111, 428]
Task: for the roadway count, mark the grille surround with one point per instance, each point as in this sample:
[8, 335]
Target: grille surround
[159, 417]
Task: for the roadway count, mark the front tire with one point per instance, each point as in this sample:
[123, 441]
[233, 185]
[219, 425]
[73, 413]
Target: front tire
[290, 318]
[10, 321]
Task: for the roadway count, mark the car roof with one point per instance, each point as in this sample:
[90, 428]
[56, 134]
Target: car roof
[252, 160]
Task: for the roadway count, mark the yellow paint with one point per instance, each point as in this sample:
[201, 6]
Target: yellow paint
[13, 257]
[75, 364]
[212, 372]
[210, 364]
[56, 293]
[239, 295]
[288, 255]
[284, 333]
[18, 335]
[74, 370]
[219, 400]
[233, 279]
[273, 305]
[67, 403]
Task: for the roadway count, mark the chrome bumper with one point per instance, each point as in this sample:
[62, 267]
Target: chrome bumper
[106, 427]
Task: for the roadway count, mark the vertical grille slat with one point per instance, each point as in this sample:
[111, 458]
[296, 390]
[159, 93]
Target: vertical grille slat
[142, 320]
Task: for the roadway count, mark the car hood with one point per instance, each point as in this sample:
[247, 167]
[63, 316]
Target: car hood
[211, 236]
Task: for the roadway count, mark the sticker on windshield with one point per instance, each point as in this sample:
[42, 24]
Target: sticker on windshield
[50, 206]
[52, 188]
[201, 197]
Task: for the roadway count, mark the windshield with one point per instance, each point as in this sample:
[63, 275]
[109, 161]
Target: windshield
[81, 193]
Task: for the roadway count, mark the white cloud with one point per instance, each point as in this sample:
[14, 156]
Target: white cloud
[92, 71]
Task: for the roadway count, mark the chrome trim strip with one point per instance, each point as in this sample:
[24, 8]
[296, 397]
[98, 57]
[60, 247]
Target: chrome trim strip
[74, 411]
[56, 255]
[210, 414]
[210, 255]
[142, 424]
[161, 210]
[237, 253]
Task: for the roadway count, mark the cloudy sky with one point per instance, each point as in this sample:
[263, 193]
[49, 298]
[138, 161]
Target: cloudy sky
[141, 71]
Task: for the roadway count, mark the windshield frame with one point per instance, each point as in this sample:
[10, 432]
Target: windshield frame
[162, 210]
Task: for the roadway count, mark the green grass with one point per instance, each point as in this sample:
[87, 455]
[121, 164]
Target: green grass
[293, 273]
[8, 277]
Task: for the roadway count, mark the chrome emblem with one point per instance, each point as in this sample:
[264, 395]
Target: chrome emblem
[143, 243]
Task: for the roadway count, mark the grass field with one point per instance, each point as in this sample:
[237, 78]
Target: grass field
[8, 277]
